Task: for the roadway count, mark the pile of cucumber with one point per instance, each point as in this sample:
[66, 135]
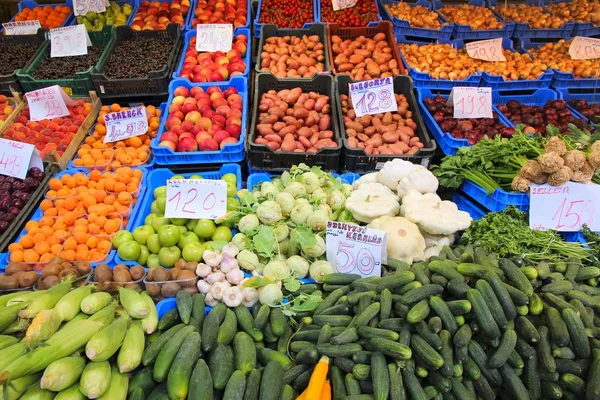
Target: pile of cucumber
[226, 354]
[464, 325]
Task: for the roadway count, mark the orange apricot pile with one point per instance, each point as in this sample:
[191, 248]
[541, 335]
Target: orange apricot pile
[81, 214]
[50, 17]
[134, 151]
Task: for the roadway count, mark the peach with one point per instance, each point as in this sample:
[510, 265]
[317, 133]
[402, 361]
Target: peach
[187, 144]
[193, 116]
[172, 121]
[168, 144]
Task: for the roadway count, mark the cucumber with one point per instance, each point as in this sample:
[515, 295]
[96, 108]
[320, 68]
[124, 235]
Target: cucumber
[439, 382]
[184, 306]
[271, 383]
[307, 357]
[445, 268]
[536, 306]
[551, 390]
[558, 288]
[234, 390]
[338, 309]
[474, 270]
[352, 385]
[460, 391]
[252, 389]
[330, 301]
[421, 276]
[435, 324]
[430, 337]
[569, 366]
[492, 302]
[592, 390]
[367, 315]
[201, 384]
[244, 352]
[401, 310]
[332, 320]
[518, 297]
[447, 354]
[291, 374]
[339, 278]
[458, 288]
[587, 300]
[142, 380]
[228, 328]
[421, 293]
[504, 350]
[198, 306]
[515, 360]
[411, 383]
[483, 314]
[418, 312]
[478, 355]
[169, 320]
[385, 301]
[246, 322]
[579, 341]
[426, 352]
[178, 380]
[394, 324]
[398, 279]
[266, 355]
[573, 383]
[526, 330]
[349, 335]
[513, 383]
[462, 336]
[344, 350]
[210, 327]
[392, 349]
[325, 334]
[345, 364]
[301, 382]
[440, 307]
[586, 317]
[483, 388]
[167, 355]
[221, 364]
[338, 386]
[587, 273]
[299, 345]
[367, 332]
[531, 378]
[557, 327]
[155, 347]
[137, 394]
[160, 392]
[564, 353]
[287, 393]
[471, 368]
[397, 390]
[380, 376]
[544, 351]
[361, 371]
[278, 321]
[262, 317]
[282, 342]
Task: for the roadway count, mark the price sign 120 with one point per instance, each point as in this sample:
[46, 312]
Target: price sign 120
[584, 48]
[196, 198]
[471, 102]
[68, 41]
[487, 50]
[214, 37]
[373, 97]
[564, 208]
[342, 4]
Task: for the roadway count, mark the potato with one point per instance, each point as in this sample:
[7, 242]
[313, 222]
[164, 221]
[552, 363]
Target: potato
[51, 270]
[364, 58]
[137, 272]
[122, 276]
[180, 263]
[83, 268]
[291, 56]
[160, 274]
[187, 275]
[28, 279]
[133, 286]
[103, 273]
[50, 281]
[8, 282]
[13, 268]
[170, 289]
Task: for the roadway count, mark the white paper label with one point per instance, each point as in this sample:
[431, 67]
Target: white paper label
[214, 37]
[16, 158]
[196, 198]
[373, 97]
[48, 103]
[342, 4]
[21, 27]
[487, 50]
[564, 208]
[125, 124]
[69, 41]
[81, 7]
[354, 249]
[584, 48]
[471, 102]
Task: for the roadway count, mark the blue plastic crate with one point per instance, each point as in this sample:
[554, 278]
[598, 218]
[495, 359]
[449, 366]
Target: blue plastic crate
[32, 4]
[423, 79]
[466, 32]
[567, 95]
[403, 26]
[3, 262]
[189, 25]
[166, 305]
[586, 29]
[158, 177]
[467, 205]
[239, 31]
[497, 201]
[231, 153]
[186, 21]
[371, 23]
[258, 25]
[448, 143]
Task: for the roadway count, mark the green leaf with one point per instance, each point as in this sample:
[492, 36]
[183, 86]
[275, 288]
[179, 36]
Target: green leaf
[285, 178]
[292, 284]
[230, 218]
[302, 303]
[218, 245]
[246, 198]
[264, 241]
[302, 236]
[257, 281]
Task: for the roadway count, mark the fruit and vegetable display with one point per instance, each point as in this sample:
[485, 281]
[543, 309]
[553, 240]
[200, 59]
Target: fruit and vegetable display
[110, 280]
[556, 56]
[234, 12]
[416, 15]
[138, 56]
[15, 194]
[536, 118]
[530, 14]
[589, 110]
[215, 66]
[476, 17]
[578, 10]
[65, 67]
[157, 15]
[115, 14]
[14, 56]
[293, 56]
[49, 16]
[286, 14]
[361, 14]
[6, 108]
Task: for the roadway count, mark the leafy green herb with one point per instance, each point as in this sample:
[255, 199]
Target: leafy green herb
[303, 237]
[292, 284]
[592, 239]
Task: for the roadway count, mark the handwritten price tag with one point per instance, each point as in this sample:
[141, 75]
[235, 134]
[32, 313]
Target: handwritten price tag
[196, 198]
[354, 249]
[214, 37]
[565, 208]
[48, 103]
[125, 124]
[471, 102]
[68, 41]
[487, 50]
[342, 4]
[16, 158]
[81, 7]
[21, 27]
[373, 97]
[584, 48]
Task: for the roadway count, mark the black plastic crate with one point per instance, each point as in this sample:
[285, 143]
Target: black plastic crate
[263, 158]
[155, 84]
[356, 160]
[269, 30]
[18, 224]
[10, 83]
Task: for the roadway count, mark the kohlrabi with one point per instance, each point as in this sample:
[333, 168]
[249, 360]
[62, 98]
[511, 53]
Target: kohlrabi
[276, 270]
[248, 224]
[269, 212]
[315, 251]
[298, 266]
[317, 221]
[285, 201]
[296, 189]
[270, 294]
[310, 181]
[346, 189]
[247, 260]
[241, 241]
[318, 196]
[300, 213]
[319, 269]
[336, 199]
[267, 188]
[281, 232]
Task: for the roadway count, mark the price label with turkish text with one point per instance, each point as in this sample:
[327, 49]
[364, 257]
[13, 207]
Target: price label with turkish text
[48, 103]
[584, 48]
[82, 7]
[373, 97]
[471, 102]
[214, 37]
[354, 249]
[125, 124]
[69, 41]
[16, 158]
[487, 50]
[342, 4]
[21, 27]
[196, 198]
[564, 208]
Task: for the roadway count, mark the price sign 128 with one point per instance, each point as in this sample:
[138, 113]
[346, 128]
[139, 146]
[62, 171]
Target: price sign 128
[196, 199]
[373, 97]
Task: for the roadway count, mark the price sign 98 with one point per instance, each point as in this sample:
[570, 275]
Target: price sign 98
[214, 37]
[196, 199]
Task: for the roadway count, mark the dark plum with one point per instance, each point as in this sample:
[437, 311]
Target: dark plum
[536, 118]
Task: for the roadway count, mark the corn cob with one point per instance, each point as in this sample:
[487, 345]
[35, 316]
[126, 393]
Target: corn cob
[130, 354]
[9, 314]
[134, 303]
[150, 321]
[12, 353]
[95, 379]
[78, 317]
[22, 297]
[62, 373]
[18, 325]
[95, 302]
[71, 393]
[62, 344]
[106, 342]
[46, 301]
[44, 325]
[4, 299]
[119, 383]
[7, 340]
[68, 307]
[104, 317]
[35, 392]
[16, 388]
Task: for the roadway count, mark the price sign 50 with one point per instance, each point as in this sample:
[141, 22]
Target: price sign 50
[196, 199]
[363, 261]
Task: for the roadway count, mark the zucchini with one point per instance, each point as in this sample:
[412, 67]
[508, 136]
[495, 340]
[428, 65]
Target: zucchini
[442, 310]
[201, 384]
[392, 349]
[155, 347]
[253, 385]
[504, 350]
[262, 316]
[579, 341]
[483, 315]
[459, 307]
[184, 306]
[266, 355]
[222, 365]
[167, 355]
[557, 327]
[271, 383]
[178, 380]
[234, 390]
[228, 328]
[210, 327]
[244, 352]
